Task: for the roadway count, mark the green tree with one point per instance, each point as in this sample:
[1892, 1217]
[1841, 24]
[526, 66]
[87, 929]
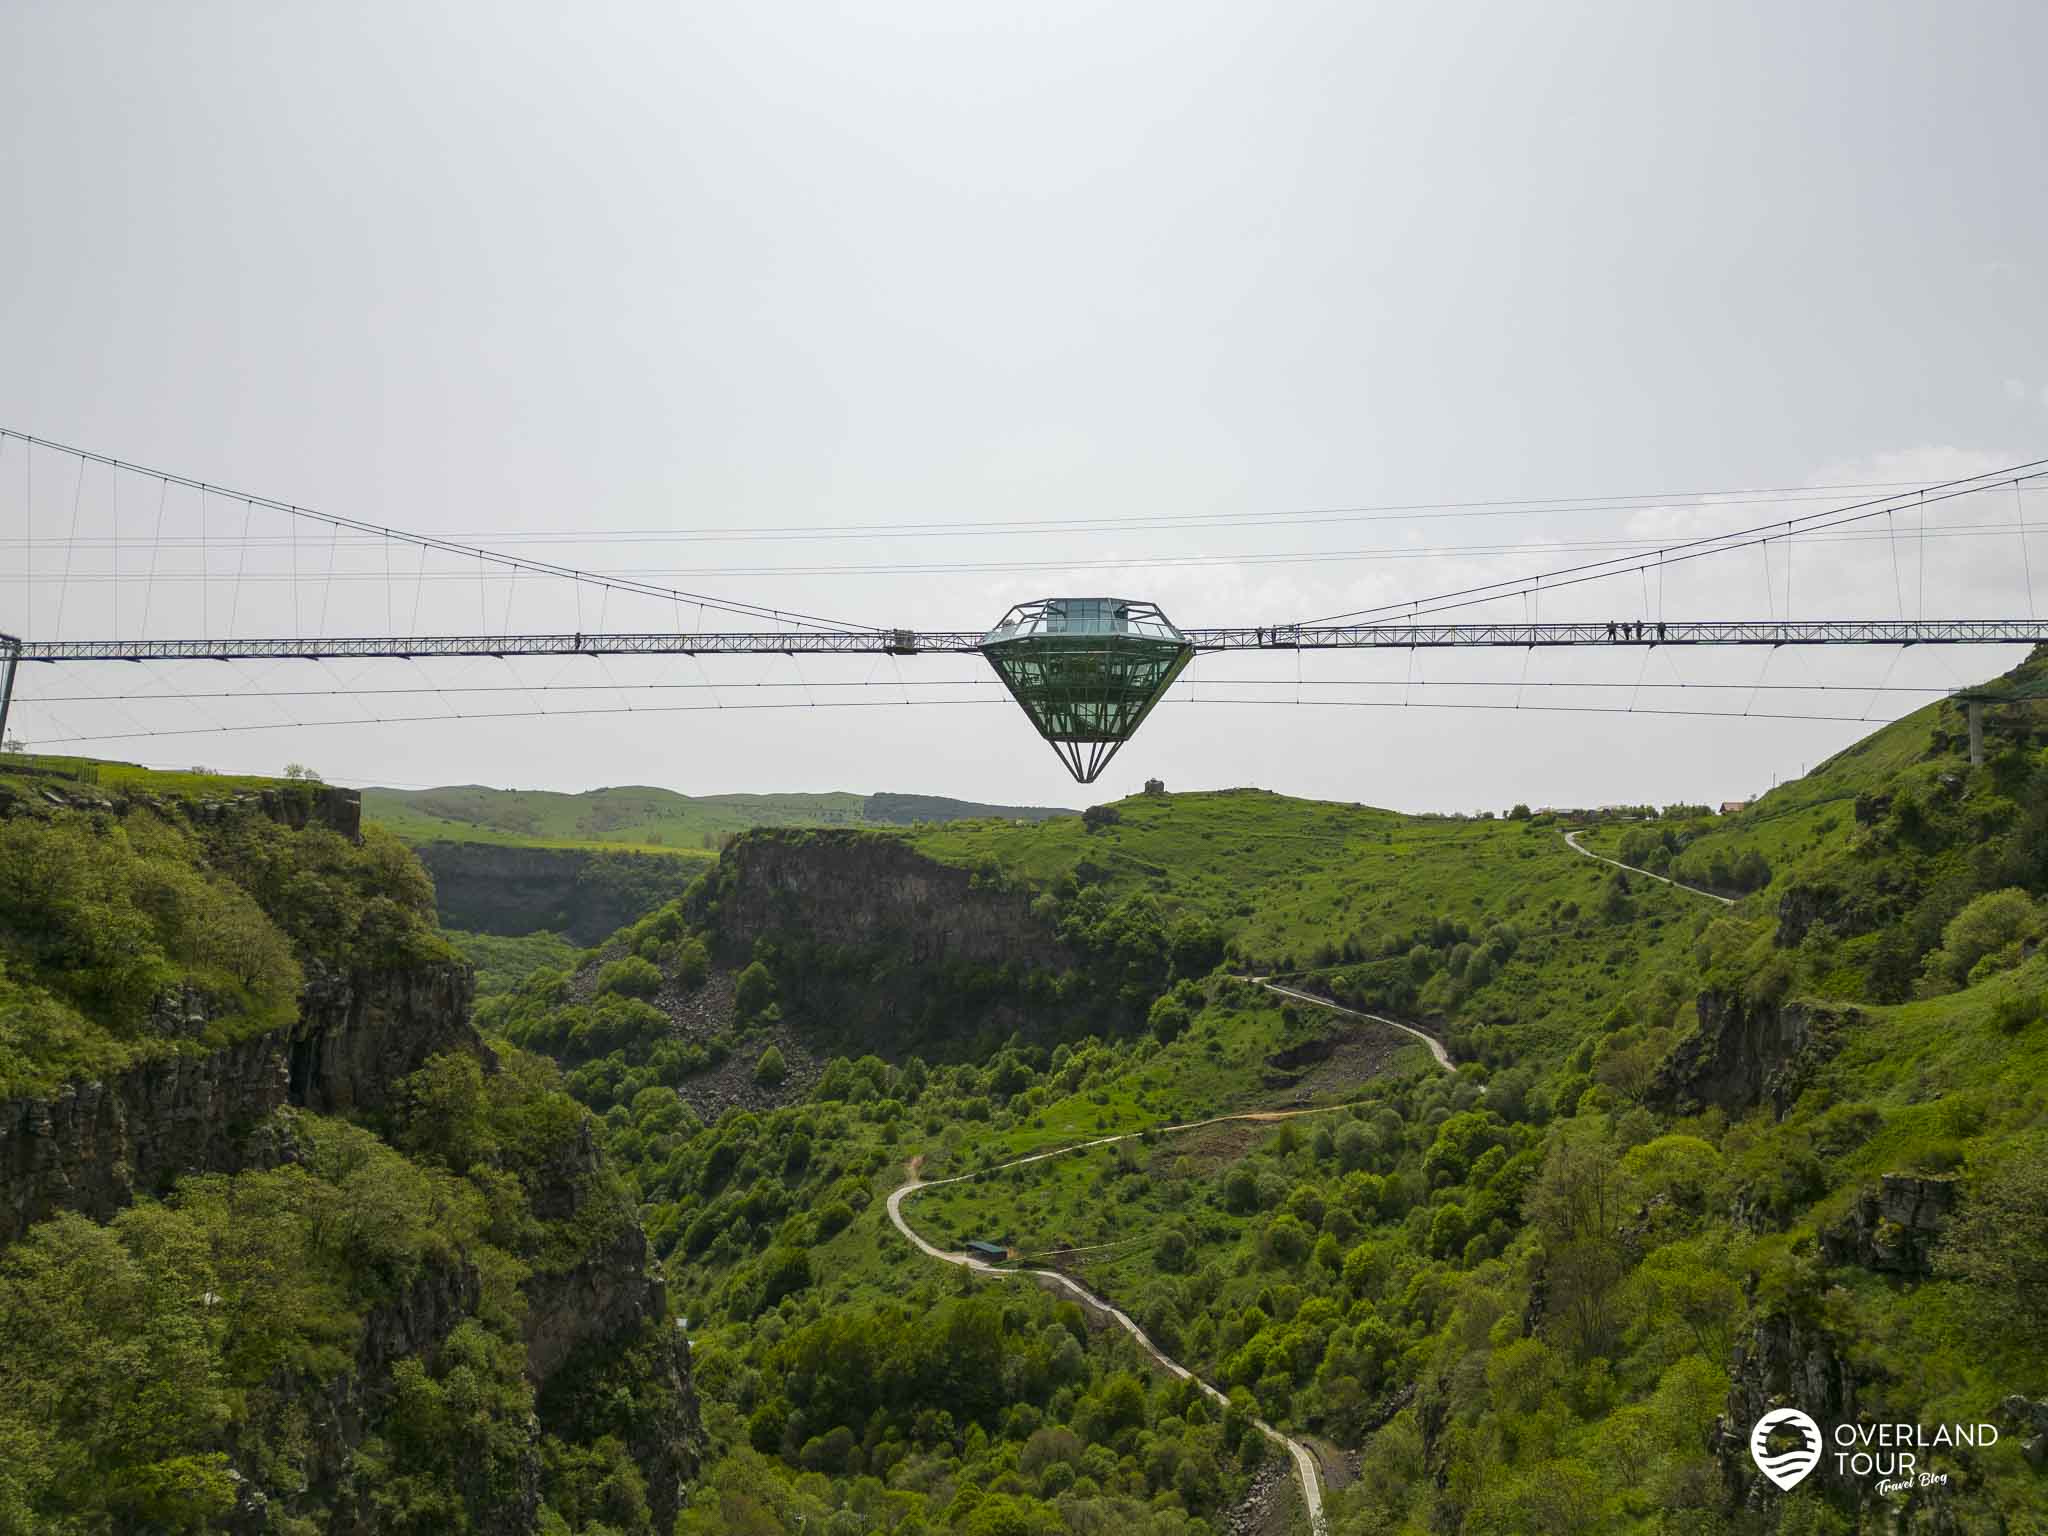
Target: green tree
[693, 962]
[770, 1070]
[445, 1116]
[1985, 926]
[1576, 1206]
[753, 991]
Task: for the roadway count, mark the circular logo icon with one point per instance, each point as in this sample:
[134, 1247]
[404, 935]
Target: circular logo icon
[1785, 1445]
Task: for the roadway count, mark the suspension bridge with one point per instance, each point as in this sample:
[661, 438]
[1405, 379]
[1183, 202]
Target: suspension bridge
[1086, 671]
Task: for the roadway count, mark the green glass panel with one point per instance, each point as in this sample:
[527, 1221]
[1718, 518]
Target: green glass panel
[1086, 671]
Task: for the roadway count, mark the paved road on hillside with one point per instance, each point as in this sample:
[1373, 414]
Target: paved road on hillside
[1572, 838]
[1305, 1471]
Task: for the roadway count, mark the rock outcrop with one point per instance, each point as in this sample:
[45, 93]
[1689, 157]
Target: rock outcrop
[1795, 1361]
[297, 806]
[610, 1291]
[2030, 1418]
[93, 1146]
[1893, 1230]
[611, 1302]
[1747, 1052]
[859, 890]
[340, 1412]
[876, 937]
[584, 893]
[1786, 1361]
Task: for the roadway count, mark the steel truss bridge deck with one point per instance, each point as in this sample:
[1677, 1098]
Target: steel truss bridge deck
[904, 642]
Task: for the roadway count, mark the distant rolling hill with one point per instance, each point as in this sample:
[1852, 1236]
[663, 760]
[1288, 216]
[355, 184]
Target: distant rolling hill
[638, 816]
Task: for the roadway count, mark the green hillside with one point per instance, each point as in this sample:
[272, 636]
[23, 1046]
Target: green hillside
[1698, 1159]
[645, 818]
[1695, 1159]
[343, 1289]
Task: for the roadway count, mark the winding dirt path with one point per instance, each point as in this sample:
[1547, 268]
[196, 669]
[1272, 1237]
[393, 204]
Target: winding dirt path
[1436, 1046]
[1305, 1467]
[1572, 840]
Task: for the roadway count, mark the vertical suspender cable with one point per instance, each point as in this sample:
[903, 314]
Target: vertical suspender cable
[1920, 603]
[64, 586]
[28, 519]
[327, 591]
[241, 565]
[2019, 502]
[1898, 591]
[155, 541]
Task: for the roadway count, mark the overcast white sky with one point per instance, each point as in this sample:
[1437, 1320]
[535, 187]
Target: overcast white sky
[636, 288]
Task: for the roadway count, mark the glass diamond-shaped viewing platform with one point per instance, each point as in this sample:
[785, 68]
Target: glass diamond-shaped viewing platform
[1087, 671]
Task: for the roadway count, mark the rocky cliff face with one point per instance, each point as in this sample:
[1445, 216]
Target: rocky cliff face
[93, 1146]
[582, 1320]
[863, 891]
[611, 1291]
[1790, 1361]
[340, 1412]
[877, 940]
[1893, 1230]
[1786, 1361]
[587, 895]
[1747, 1052]
[296, 806]
[359, 1034]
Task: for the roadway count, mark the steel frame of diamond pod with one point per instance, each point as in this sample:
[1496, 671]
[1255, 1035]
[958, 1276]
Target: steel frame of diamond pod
[1086, 671]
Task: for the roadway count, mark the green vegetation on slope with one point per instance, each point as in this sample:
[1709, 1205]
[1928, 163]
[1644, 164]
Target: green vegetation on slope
[839, 1371]
[336, 1341]
[643, 817]
[1526, 1291]
[502, 963]
[146, 928]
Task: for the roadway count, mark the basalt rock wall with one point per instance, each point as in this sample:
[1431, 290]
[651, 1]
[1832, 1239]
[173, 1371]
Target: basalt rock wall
[585, 894]
[92, 1146]
[882, 948]
[1748, 1051]
[862, 891]
[580, 1322]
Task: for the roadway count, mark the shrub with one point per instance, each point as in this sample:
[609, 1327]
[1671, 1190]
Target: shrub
[630, 977]
[1286, 1240]
[1985, 926]
[2015, 1012]
[771, 1069]
[692, 962]
[1168, 1020]
[754, 991]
